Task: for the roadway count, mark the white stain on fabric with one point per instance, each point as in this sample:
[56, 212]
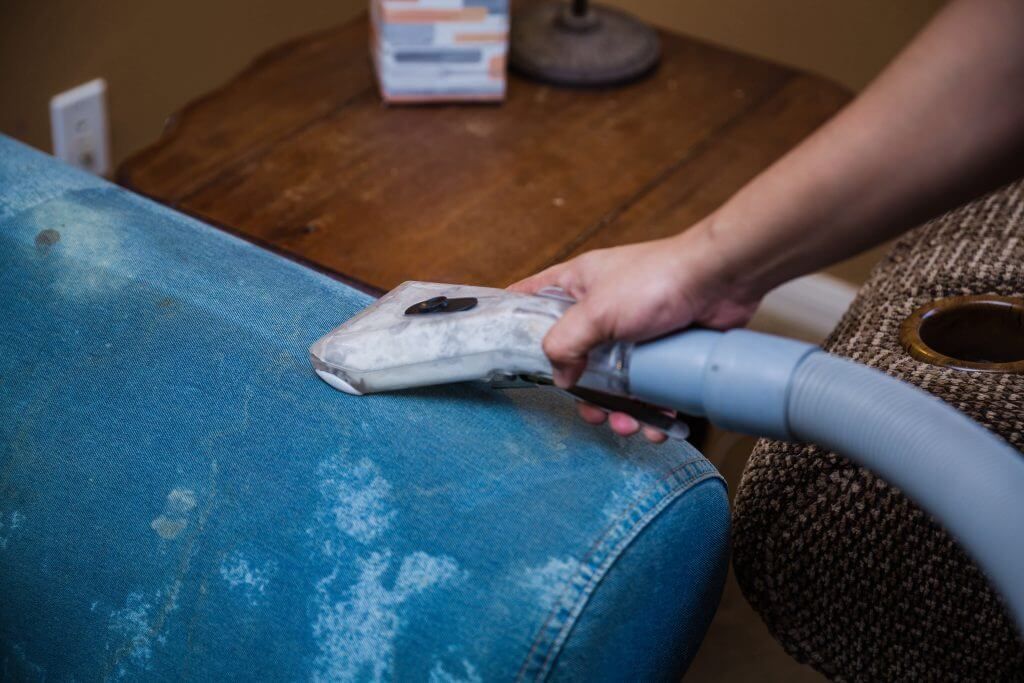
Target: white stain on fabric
[548, 581]
[357, 632]
[420, 571]
[357, 499]
[136, 628]
[14, 521]
[248, 578]
[174, 518]
[636, 485]
[131, 623]
[89, 253]
[439, 674]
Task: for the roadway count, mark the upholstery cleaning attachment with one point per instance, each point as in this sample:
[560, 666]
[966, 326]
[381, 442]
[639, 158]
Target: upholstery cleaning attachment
[425, 333]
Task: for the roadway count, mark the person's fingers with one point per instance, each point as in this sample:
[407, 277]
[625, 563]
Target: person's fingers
[653, 435]
[623, 424]
[591, 414]
[545, 278]
[569, 341]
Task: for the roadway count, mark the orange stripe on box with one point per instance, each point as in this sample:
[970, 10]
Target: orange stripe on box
[496, 66]
[424, 16]
[495, 37]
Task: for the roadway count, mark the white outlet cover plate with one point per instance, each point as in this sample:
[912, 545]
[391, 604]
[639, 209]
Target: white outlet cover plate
[78, 123]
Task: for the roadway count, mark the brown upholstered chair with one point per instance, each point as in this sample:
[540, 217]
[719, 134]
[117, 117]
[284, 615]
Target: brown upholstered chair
[850, 576]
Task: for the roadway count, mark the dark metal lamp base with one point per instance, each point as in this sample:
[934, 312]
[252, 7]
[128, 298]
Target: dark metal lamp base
[552, 43]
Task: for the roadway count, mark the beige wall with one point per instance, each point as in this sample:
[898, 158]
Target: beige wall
[848, 41]
[158, 56]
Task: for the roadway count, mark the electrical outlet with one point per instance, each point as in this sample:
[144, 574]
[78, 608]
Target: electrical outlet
[78, 124]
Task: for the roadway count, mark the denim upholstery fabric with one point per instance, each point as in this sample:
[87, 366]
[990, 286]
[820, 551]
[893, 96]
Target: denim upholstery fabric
[181, 497]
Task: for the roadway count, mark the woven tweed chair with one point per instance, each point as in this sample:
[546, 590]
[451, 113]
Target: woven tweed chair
[849, 575]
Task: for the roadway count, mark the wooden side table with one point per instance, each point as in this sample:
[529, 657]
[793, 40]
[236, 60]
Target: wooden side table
[298, 154]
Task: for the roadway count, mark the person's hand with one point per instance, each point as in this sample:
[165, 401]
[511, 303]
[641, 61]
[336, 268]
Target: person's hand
[634, 293]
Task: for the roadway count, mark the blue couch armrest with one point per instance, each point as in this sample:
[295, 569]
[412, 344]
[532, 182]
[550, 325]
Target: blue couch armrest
[180, 496]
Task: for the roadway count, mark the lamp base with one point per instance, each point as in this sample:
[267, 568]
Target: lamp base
[601, 47]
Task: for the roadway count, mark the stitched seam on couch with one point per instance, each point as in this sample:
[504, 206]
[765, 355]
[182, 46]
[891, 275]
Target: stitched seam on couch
[599, 559]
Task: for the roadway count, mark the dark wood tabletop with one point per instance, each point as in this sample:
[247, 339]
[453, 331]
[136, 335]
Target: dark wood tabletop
[297, 153]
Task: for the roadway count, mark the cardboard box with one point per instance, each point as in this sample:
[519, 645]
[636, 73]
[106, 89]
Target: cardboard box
[439, 50]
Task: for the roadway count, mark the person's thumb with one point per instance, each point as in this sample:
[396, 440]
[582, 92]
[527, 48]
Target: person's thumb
[570, 339]
[546, 278]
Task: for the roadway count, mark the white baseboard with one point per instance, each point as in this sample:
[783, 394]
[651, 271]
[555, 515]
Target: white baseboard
[807, 308]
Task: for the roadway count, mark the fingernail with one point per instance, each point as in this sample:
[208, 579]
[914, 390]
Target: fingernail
[562, 379]
[625, 423]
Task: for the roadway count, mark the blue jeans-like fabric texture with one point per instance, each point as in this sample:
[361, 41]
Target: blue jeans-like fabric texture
[182, 498]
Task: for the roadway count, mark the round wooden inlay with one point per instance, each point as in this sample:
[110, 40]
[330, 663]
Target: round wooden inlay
[983, 333]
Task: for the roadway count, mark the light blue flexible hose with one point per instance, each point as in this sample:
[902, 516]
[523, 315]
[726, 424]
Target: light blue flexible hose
[968, 478]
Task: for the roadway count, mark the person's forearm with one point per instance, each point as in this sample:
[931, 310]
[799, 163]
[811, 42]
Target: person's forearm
[943, 123]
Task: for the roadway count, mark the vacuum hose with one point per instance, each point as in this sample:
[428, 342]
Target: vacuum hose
[968, 478]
